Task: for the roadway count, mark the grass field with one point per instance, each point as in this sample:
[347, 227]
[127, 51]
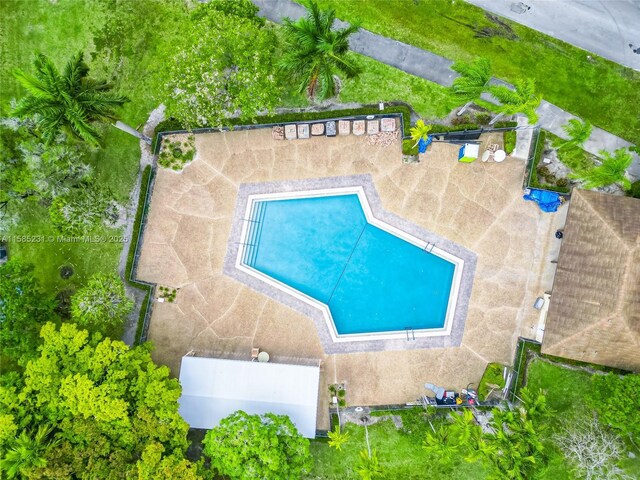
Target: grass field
[595, 89]
[567, 392]
[399, 451]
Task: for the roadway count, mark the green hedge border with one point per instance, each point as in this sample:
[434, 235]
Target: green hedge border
[173, 124]
[145, 184]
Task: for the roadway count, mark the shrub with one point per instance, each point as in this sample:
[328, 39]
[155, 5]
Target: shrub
[461, 120]
[509, 141]
[409, 147]
[482, 118]
[175, 154]
[634, 191]
[492, 376]
[562, 182]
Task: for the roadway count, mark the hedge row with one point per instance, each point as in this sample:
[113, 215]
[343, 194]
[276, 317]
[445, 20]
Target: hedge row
[173, 124]
[145, 182]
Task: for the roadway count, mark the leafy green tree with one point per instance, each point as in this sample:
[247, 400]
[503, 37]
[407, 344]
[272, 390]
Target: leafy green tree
[26, 453]
[616, 399]
[338, 437]
[369, 467]
[24, 308]
[33, 172]
[82, 210]
[578, 133]
[106, 404]
[225, 67]
[247, 447]
[612, 170]
[102, 302]
[523, 99]
[153, 465]
[473, 80]
[69, 101]
[315, 52]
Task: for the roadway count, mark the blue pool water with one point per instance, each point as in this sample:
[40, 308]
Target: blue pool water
[371, 280]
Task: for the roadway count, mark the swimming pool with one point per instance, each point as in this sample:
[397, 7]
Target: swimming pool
[368, 277]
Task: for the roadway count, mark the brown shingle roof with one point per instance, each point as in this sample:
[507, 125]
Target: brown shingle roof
[594, 315]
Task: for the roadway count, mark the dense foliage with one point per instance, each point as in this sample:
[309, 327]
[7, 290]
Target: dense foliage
[612, 170]
[24, 308]
[69, 101]
[617, 402]
[101, 302]
[250, 447]
[316, 52]
[90, 407]
[224, 66]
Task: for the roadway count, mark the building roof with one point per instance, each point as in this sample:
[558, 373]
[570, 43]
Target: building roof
[213, 388]
[594, 314]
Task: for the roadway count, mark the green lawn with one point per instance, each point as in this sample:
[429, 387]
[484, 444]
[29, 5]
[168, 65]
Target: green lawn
[400, 453]
[567, 392]
[380, 82]
[594, 89]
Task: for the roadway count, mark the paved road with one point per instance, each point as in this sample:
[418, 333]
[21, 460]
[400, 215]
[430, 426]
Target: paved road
[610, 28]
[402, 56]
[435, 68]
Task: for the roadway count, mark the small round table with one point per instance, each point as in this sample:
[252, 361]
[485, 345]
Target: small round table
[263, 357]
[486, 155]
[499, 156]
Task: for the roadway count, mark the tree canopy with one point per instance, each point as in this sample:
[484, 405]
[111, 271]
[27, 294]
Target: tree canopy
[69, 101]
[224, 67]
[315, 52]
[109, 411]
[612, 170]
[251, 447]
[102, 302]
[523, 99]
[24, 308]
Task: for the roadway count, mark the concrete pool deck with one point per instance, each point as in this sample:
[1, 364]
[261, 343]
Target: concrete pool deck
[478, 206]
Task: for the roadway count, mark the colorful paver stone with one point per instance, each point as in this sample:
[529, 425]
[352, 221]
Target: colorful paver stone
[344, 127]
[373, 127]
[303, 130]
[358, 127]
[388, 125]
[290, 132]
[317, 129]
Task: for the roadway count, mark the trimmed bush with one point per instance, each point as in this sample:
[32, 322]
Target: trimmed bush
[509, 141]
[492, 376]
[409, 147]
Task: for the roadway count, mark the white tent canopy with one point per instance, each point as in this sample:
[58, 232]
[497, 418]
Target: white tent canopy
[213, 388]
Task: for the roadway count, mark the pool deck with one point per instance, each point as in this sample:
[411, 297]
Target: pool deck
[478, 206]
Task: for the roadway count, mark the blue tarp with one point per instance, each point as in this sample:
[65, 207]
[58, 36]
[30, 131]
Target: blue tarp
[423, 144]
[546, 200]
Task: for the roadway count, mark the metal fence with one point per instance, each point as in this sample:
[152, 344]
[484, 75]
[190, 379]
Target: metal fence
[149, 287]
[519, 366]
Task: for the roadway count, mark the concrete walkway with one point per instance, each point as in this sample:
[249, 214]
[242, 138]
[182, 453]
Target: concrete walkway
[609, 28]
[437, 69]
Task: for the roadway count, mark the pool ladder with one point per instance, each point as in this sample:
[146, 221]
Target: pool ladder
[411, 334]
[429, 247]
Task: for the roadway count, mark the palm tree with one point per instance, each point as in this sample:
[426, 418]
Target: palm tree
[26, 453]
[69, 101]
[521, 100]
[369, 465]
[420, 131]
[337, 438]
[315, 53]
[611, 170]
[578, 133]
[473, 80]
